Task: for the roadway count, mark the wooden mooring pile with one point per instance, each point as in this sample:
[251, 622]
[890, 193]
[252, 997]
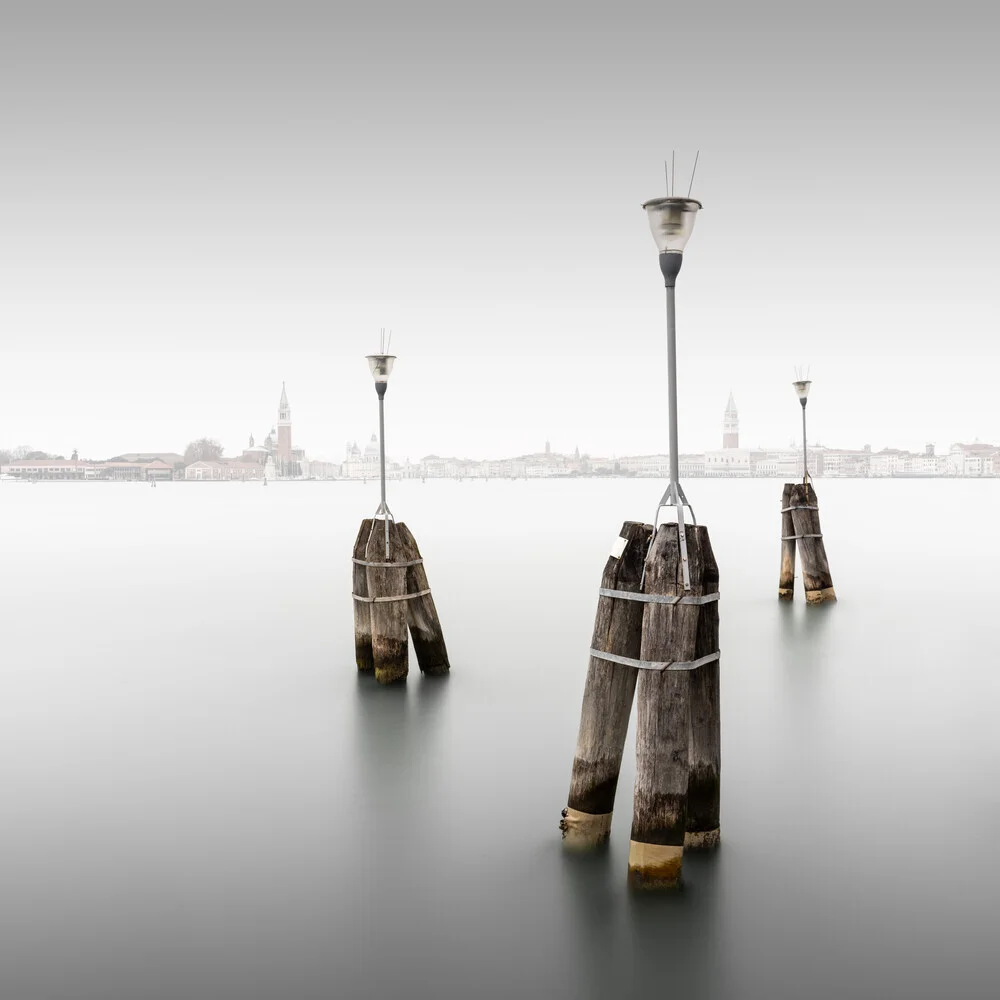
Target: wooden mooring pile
[800, 524]
[654, 637]
[392, 595]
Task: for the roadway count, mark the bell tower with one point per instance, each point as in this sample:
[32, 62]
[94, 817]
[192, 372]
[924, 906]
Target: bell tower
[731, 425]
[283, 449]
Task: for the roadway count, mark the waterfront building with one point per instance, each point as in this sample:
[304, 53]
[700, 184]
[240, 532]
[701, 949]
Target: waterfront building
[227, 470]
[974, 460]
[74, 469]
[360, 464]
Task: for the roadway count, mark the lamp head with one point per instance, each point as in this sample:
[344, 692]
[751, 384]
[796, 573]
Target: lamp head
[672, 222]
[381, 367]
[802, 390]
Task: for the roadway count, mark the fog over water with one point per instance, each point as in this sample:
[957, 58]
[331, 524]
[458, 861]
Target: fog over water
[201, 799]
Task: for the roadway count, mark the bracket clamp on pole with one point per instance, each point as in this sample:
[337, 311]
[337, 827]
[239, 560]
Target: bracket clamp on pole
[674, 497]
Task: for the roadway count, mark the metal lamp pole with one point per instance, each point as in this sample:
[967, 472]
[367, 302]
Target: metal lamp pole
[672, 221]
[381, 366]
[802, 391]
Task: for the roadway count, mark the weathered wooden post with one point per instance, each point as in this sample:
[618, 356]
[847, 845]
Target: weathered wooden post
[386, 594]
[607, 694]
[816, 576]
[786, 575]
[677, 749]
[421, 613]
[362, 607]
[391, 591]
[705, 748]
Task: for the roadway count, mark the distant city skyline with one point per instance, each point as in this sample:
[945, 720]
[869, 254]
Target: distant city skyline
[334, 452]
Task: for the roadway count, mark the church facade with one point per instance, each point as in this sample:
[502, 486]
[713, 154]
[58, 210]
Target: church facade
[360, 464]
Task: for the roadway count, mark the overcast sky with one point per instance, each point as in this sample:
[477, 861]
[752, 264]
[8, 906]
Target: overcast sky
[198, 201]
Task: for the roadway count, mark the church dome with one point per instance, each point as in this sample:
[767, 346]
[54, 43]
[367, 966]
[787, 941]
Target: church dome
[371, 449]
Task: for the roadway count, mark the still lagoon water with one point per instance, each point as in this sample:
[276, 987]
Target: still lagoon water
[201, 799]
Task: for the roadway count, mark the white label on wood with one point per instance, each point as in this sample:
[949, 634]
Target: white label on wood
[619, 547]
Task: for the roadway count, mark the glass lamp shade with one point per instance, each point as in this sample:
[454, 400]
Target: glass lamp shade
[381, 366]
[671, 221]
[802, 389]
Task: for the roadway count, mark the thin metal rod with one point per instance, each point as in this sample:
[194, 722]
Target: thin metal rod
[693, 169]
[672, 392]
[381, 458]
[675, 462]
[805, 450]
[666, 175]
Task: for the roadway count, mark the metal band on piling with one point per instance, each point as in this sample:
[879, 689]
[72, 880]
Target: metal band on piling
[800, 507]
[386, 565]
[387, 600]
[627, 661]
[629, 595]
[791, 538]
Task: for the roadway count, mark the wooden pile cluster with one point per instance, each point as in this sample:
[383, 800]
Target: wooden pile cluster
[392, 595]
[800, 524]
[655, 639]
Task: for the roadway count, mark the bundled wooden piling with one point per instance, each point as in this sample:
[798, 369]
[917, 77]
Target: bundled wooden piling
[386, 585]
[786, 575]
[816, 578]
[607, 695]
[391, 594]
[669, 651]
[362, 609]
[421, 614]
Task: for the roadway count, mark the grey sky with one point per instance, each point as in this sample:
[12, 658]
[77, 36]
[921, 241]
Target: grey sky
[199, 201]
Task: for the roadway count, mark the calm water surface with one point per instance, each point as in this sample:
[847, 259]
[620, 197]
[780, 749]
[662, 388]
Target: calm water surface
[202, 800]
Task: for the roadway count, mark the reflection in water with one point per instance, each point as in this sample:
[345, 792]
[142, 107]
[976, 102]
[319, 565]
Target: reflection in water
[593, 903]
[676, 938]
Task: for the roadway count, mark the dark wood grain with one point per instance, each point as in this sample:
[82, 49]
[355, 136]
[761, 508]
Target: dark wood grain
[607, 697]
[705, 752]
[816, 576]
[362, 609]
[390, 648]
[421, 612]
[669, 634]
[786, 575]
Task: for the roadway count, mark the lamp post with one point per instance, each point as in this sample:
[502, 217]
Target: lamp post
[672, 222]
[381, 366]
[802, 391]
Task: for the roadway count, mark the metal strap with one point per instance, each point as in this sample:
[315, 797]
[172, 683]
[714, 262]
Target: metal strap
[791, 538]
[631, 595]
[627, 661]
[803, 507]
[387, 565]
[385, 600]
